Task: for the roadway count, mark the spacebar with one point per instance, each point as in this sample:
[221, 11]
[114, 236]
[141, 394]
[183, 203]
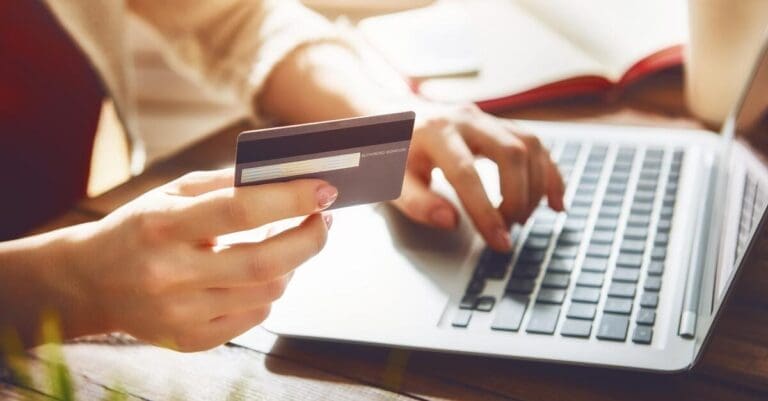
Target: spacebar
[509, 312]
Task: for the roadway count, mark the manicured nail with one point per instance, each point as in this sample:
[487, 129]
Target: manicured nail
[442, 217]
[326, 195]
[328, 219]
[502, 238]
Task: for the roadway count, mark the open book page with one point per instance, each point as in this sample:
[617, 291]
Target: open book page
[516, 52]
[617, 33]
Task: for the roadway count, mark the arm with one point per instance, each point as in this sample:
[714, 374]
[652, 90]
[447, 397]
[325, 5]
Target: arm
[151, 269]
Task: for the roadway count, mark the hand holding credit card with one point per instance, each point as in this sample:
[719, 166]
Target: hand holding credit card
[364, 157]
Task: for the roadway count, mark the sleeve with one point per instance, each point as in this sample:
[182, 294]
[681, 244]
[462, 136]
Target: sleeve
[232, 46]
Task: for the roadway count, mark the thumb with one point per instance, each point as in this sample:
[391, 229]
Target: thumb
[423, 205]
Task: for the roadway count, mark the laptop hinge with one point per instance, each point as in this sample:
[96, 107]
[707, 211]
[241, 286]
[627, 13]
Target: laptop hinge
[688, 315]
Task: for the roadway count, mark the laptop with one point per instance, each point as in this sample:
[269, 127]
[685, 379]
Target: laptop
[634, 275]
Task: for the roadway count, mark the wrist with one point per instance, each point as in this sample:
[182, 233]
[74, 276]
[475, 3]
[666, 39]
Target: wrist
[42, 277]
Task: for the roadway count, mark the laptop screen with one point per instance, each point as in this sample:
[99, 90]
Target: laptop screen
[741, 196]
[747, 179]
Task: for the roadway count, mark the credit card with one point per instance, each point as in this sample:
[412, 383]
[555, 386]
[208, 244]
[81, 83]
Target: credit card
[363, 157]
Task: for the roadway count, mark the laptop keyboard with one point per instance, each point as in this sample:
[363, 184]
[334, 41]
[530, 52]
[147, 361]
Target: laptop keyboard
[592, 272]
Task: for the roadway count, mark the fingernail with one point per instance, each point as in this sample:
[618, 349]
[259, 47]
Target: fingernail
[328, 219]
[502, 238]
[442, 217]
[326, 195]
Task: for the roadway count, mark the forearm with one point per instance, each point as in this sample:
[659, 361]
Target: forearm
[327, 81]
[38, 281]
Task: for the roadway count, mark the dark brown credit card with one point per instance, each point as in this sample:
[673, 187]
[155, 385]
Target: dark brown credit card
[363, 157]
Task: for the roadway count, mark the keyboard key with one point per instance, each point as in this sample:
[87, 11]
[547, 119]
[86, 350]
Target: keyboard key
[656, 268]
[476, 286]
[586, 294]
[493, 264]
[520, 286]
[602, 237]
[560, 265]
[588, 279]
[642, 208]
[644, 196]
[622, 166]
[616, 188]
[629, 260]
[576, 328]
[570, 238]
[468, 301]
[661, 239]
[664, 225]
[598, 250]
[550, 296]
[636, 233]
[543, 319]
[556, 280]
[633, 246]
[579, 211]
[613, 327]
[646, 316]
[509, 313]
[529, 256]
[574, 225]
[462, 318]
[536, 243]
[579, 310]
[613, 200]
[650, 174]
[649, 299]
[626, 275]
[618, 305]
[566, 252]
[595, 264]
[622, 290]
[646, 185]
[666, 212]
[541, 231]
[610, 212]
[606, 224]
[642, 335]
[526, 271]
[659, 253]
[591, 177]
[485, 303]
[583, 201]
[636, 220]
[652, 283]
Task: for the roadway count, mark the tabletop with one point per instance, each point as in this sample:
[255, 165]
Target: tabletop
[734, 367]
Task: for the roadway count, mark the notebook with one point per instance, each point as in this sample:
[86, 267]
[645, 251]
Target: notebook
[505, 53]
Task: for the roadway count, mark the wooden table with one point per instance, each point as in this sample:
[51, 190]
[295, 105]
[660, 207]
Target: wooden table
[735, 366]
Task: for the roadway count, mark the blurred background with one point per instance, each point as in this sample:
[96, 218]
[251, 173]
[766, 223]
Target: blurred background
[173, 111]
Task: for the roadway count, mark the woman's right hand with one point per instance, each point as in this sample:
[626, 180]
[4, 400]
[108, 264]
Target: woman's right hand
[150, 268]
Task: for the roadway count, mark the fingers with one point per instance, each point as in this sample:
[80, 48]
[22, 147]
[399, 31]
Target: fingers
[236, 209]
[514, 162]
[214, 302]
[452, 155]
[200, 182]
[220, 330]
[423, 205]
[537, 177]
[554, 187]
[249, 264]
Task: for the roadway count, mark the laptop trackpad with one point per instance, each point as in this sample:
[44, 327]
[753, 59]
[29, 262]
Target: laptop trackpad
[378, 268]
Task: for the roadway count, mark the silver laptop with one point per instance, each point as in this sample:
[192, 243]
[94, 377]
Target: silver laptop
[634, 274]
